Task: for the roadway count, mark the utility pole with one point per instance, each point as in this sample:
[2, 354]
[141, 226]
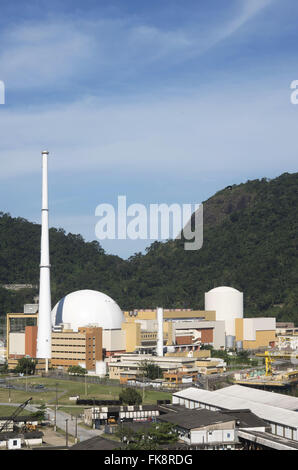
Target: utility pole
[93, 420]
[26, 380]
[56, 407]
[76, 430]
[66, 432]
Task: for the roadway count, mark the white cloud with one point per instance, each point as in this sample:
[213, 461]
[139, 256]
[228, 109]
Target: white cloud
[38, 55]
[45, 54]
[249, 129]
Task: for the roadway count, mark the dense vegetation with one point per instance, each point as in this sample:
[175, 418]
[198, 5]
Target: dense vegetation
[250, 243]
[156, 436]
[25, 366]
[130, 396]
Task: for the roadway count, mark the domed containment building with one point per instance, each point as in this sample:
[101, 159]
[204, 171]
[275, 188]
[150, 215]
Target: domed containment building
[228, 305]
[86, 329]
[87, 308]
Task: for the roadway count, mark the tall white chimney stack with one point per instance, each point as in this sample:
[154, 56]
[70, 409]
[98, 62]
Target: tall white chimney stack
[44, 310]
[159, 349]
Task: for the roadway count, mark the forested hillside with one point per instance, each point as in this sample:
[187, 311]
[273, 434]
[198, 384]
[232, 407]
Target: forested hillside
[250, 243]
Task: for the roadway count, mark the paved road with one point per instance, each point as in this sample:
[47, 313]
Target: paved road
[61, 418]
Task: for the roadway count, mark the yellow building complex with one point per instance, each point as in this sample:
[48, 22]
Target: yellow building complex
[183, 330]
[89, 328]
[255, 333]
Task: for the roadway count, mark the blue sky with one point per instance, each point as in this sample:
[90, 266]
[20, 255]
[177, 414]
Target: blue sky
[161, 101]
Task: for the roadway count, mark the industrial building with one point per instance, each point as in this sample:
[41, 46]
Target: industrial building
[70, 348]
[127, 367]
[286, 337]
[286, 329]
[16, 441]
[221, 325]
[277, 410]
[100, 416]
[177, 333]
[16, 326]
[196, 428]
[211, 429]
[241, 333]
[86, 327]
[168, 333]
[255, 333]
[183, 331]
[18, 423]
[56, 337]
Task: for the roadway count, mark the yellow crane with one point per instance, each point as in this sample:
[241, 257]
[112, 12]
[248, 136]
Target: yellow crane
[14, 415]
[268, 363]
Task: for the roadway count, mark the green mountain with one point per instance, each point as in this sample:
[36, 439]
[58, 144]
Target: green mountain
[250, 243]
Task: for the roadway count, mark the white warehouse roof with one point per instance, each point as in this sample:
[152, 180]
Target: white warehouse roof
[218, 399]
[286, 402]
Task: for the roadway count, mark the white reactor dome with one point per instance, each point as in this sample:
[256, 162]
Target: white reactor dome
[228, 305]
[87, 308]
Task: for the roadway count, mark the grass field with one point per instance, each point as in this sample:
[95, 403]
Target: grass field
[72, 410]
[8, 410]
[66, 389]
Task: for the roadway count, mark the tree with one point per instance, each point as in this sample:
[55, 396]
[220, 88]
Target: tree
[77, 370]
[26, 366]
[157, 436]
[151, 370]
[250, 243]
[130, 396]
[4, 368]
[41, 413]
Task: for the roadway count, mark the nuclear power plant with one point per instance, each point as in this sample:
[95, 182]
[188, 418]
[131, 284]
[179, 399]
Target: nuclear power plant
[88, 328]
[88, 332]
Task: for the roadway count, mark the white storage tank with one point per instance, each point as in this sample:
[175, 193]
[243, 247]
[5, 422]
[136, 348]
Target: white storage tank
[228, 305]
[100, 368]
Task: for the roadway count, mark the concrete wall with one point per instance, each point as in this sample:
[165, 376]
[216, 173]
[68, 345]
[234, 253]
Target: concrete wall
[263, 338]
[251, 325]
[17, 343]
[212, 435]
[255, 332]
[132, 335]
[114, 340]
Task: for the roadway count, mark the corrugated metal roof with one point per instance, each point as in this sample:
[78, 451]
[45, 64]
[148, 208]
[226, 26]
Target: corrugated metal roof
[224, 401]
[96, 443]
[261, 396]
[192, 419]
